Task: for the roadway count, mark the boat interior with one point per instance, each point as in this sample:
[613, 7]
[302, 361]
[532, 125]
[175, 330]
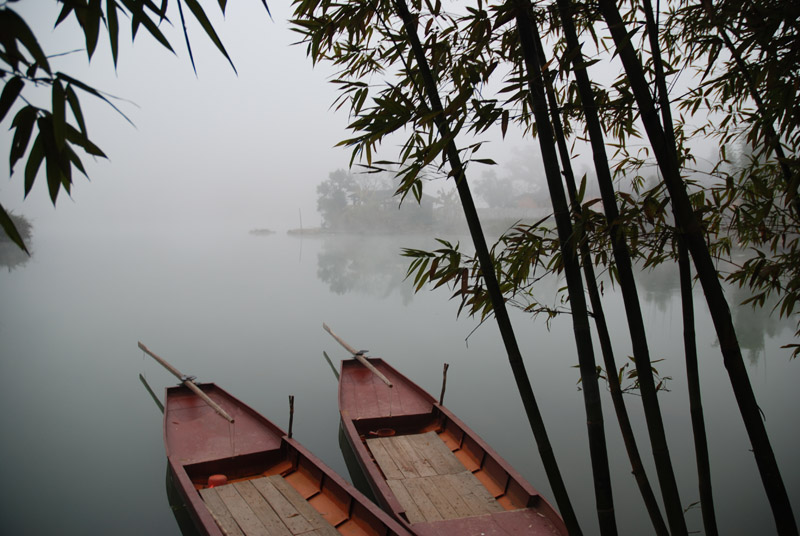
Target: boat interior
[419, 456]
[277, 487]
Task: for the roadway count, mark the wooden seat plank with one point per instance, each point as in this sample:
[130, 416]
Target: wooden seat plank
[220, 512]
[413, 513]
[384, 459]
[436, 497]
[421, 499]
[294, 520]
[428, 479]
[416, 454]
[474, 494]
[438, 454]
[310, 514]
[261, 508]
[402, 462]
[241, 511]
[453, 497]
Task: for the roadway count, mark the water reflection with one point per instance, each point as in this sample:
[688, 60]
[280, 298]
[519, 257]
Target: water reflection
[754, 326]
[11, 256]
[373, 265]
[357, 476]
[179, 510]
[363, 264]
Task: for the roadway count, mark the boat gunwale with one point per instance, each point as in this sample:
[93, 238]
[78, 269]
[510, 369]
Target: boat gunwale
[288, 449]
[442, 415]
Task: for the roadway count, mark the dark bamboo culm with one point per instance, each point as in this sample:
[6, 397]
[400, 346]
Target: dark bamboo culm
[627, 282]
[689, 227]
[580, 318]
[695, 400]
[493, 288]
[687, 304]
[604, 337]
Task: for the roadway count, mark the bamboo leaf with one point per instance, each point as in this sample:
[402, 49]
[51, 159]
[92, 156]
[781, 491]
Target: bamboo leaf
[80, 139]
[10, 93]
[201, 17]
[75, 106]
[59, 113]
[23, 122]
[90, 22]
[13, 25]
[138, 17]
[113, 29]
[11, 230]
[34, 163]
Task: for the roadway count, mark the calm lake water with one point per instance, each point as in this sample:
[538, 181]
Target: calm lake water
[82, 449]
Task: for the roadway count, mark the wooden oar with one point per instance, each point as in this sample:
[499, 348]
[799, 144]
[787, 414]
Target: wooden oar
[187, 382]
[358, 355]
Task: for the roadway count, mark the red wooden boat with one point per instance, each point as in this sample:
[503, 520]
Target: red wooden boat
[427, 467]
[248, 477]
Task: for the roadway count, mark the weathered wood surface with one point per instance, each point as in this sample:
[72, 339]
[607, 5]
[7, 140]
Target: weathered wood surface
[428, 480]
[264, 506]
[359, 356]
[362, 395]
[187, 382]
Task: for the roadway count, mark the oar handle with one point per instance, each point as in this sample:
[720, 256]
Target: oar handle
[188, 383]
[175, 372]
[358, 355]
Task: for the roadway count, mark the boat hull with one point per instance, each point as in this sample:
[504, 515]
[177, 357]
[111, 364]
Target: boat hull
[271, 483]
[427, 467]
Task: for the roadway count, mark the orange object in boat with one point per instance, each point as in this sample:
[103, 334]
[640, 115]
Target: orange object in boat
[217, 480]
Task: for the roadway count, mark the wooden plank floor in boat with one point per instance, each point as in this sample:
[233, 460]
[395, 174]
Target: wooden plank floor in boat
[428, 480]
[264, 506]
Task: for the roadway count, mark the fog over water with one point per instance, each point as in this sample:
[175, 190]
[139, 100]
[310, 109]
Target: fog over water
[156, 248]
[83, 438]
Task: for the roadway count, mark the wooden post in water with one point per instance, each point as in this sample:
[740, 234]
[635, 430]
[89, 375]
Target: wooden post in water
[358, 355]
[187, 382]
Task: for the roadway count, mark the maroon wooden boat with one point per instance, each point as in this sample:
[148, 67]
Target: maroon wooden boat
[427, 467]
[248, 477]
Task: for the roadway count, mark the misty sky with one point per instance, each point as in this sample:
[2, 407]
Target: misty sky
[214, 148]
[246, 149]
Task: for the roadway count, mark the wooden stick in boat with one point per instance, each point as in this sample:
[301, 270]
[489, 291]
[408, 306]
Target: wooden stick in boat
[358, 355]
[187, 382]
[291, 413]
[444, 383]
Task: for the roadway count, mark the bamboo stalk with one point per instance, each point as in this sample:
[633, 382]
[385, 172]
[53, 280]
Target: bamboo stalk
[188, 383]
[626, 429]
[666, 155]
[598, 450]
[358, 355]
[622, 257]
[429, 88]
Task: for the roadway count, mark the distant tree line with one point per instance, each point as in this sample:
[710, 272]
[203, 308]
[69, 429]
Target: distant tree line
[359, 203]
